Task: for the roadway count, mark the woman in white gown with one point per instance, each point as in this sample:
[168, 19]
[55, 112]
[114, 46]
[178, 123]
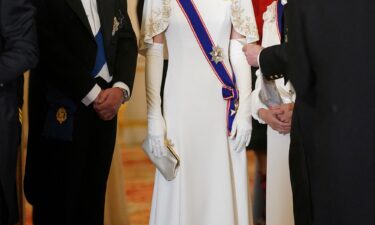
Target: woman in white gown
[279, 202]
[211, 187]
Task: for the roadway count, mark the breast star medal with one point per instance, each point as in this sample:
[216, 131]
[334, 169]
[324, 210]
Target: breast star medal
[116, 25]
[217, 54]
[61, 115]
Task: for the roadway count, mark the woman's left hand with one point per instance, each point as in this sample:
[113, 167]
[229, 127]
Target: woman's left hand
[241, 134]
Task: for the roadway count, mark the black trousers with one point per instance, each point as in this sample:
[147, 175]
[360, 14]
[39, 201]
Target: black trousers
[3, 209]
[300, 147]
[10, 131]
[66, 181]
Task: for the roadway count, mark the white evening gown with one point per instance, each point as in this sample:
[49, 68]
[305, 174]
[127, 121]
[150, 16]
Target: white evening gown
[279, 199]
[211, 187]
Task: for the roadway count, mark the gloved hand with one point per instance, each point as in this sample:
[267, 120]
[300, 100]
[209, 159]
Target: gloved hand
[241, 133]
[242, 126]
[156, 122]
[156, 145]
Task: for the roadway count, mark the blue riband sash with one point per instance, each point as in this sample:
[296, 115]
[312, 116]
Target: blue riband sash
[280, 17]
[229, 90]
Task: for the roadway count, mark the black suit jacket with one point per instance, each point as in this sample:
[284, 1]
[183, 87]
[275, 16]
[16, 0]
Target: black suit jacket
[330, 45]
[68, 48]
[18, 53]
[18, 50]
[274, 60]
[67, 56]
[68, 53]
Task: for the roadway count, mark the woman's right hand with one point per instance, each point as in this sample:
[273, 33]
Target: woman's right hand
[270, 116]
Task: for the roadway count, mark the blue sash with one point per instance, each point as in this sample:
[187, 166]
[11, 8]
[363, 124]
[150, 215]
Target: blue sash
[229, 90]
[280, 18]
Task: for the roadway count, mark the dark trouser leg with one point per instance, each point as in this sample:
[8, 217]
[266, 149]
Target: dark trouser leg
[50, 213]
[93, 156]
[75, 174]
[49, 204]
[9, 141]
[259, 203]
[3, 209]
[299, 174]
[259, 145]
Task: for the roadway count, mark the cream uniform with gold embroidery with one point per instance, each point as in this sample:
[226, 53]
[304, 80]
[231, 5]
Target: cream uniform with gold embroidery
[211, 187]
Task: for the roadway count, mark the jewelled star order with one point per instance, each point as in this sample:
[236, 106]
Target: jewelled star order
[217, 54]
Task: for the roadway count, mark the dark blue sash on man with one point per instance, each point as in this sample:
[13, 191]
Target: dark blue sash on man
[208, 47]
[280, 19]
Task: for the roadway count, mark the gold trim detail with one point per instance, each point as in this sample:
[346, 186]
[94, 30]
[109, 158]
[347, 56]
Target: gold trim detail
[61, 115]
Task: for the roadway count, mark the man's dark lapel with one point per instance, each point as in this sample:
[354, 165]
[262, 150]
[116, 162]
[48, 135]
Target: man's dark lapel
[77, 7]
[106, 10]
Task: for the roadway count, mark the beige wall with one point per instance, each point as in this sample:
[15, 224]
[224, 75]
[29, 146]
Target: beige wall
[134, 117]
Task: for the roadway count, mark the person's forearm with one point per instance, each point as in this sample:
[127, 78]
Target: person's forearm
[273, 60]
[20, 50]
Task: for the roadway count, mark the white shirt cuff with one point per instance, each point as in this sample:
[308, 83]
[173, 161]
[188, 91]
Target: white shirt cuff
[92, 95]
[123, 86]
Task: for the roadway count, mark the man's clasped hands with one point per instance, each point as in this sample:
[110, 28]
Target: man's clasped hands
[279, 117]
[108, 103]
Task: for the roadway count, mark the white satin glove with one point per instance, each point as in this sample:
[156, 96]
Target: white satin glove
[156, 122]
[242, 126]
[156, 145]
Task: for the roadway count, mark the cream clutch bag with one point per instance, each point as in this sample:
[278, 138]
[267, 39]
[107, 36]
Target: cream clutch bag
[167, 164]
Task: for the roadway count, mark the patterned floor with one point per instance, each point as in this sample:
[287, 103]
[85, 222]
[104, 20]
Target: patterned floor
[139, 178]
[139, 174]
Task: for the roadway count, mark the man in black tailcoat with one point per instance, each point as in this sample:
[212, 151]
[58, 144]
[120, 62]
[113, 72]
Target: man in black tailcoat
[18, 53]
[331, 47]
[88, 54]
